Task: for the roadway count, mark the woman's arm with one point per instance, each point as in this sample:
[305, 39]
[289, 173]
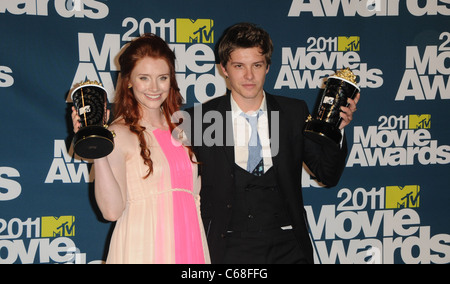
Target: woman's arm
[110, 174]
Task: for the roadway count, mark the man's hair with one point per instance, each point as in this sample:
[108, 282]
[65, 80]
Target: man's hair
[244, 35]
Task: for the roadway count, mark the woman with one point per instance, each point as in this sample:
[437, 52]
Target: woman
[149, 183]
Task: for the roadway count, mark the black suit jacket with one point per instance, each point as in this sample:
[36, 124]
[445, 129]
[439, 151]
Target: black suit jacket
[327, 162]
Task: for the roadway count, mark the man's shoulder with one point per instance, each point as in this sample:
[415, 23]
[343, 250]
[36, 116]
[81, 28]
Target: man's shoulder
[211, 104]
[285, 99]
[287, 103]
[214, 102]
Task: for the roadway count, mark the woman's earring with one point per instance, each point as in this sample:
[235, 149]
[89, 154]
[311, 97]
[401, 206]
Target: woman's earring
[130, 86]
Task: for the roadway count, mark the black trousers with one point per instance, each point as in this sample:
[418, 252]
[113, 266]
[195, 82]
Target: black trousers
[270, 247]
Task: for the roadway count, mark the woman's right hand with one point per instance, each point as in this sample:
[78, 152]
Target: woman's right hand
[75, 120]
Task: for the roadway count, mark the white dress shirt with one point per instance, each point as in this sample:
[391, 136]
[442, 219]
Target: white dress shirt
[242, 132]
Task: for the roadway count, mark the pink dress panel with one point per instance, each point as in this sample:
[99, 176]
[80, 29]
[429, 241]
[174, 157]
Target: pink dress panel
[187, 233]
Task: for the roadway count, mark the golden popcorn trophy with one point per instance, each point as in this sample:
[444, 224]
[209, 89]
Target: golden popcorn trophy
[324, 123]
[93, 140]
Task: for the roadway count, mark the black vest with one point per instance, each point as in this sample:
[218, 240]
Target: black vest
[258, 205]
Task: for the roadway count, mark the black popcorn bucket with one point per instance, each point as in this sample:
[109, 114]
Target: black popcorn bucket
[323, 125]
[93, 140]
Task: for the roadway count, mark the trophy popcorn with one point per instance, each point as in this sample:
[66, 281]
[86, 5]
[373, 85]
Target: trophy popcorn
[93, 140]
[324, 123]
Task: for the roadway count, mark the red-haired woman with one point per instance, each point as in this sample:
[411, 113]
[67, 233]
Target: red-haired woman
[149, 183]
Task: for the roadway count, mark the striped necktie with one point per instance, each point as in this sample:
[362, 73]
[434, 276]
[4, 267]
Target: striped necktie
[255, 164]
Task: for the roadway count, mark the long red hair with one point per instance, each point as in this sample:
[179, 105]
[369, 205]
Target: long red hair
[127, 107]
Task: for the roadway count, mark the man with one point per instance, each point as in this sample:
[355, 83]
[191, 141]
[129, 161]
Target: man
[254, 213]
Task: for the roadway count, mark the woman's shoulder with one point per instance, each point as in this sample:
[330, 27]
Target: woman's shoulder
[119, 125]
[123, 137]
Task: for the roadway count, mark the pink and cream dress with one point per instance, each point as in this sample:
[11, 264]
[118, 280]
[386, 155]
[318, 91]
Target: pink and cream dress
[161, 222]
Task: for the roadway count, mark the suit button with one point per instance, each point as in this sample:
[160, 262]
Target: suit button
[229, 206]
[223, 236]
[251, 216]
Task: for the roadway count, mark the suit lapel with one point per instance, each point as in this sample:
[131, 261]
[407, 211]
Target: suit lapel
[275, 131]
[224, 108]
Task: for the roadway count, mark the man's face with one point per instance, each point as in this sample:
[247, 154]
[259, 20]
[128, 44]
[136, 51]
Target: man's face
[247, 70]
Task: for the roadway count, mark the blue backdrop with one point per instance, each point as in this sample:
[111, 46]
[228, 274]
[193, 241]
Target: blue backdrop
[392, 204]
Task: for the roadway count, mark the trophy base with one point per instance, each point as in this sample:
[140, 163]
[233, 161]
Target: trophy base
[322, 132]
[93, 142]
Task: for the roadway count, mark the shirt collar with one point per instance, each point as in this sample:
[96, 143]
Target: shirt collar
[237, 110]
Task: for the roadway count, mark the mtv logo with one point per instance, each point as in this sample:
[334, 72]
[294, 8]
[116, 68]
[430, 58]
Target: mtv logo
[63, 226]
[398, 197]
[422, 121]
[195, 31]
[351, 43]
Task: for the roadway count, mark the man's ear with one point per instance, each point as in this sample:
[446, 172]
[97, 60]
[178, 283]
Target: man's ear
[224, 70]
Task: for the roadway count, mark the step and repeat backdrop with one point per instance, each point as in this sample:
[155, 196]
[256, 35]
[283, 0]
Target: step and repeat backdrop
[392, 203]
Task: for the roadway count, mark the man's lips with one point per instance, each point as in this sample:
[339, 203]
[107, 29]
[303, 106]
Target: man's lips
[249, 86]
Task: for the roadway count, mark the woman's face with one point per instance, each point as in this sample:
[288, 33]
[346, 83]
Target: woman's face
[150, 80]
